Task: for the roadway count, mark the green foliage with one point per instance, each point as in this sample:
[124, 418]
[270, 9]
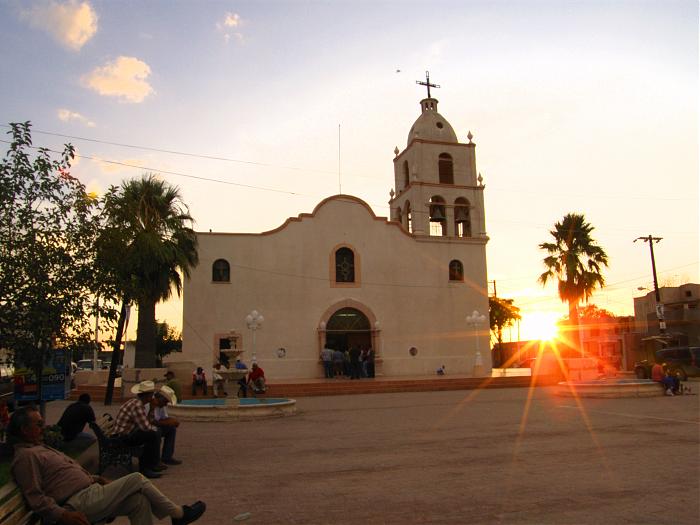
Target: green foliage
[575, 260]
[48, 229]
[147, 243]
[502, 314]
[167, 340]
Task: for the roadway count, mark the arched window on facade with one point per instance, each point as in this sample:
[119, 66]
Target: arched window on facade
[409, 217]
[406, 176]
[445, 169]
[438, 219]
[344, 265]
[463, 224]
[221, 271]
[456, 270]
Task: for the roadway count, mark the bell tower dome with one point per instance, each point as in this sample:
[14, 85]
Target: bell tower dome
[438, 192]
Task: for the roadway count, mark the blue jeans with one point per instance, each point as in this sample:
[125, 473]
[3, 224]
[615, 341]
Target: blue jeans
[328, 369]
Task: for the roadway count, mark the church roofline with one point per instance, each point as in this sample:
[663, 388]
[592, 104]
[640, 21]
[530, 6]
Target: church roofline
[302, 216]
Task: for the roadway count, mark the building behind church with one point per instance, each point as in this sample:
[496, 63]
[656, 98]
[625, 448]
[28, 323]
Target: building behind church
[341, 276]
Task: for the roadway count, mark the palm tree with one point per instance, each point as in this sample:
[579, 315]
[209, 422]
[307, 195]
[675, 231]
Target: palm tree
[150, 242]
[575, 260]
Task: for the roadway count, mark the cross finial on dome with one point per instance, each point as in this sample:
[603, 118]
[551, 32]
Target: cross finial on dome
[427, 82]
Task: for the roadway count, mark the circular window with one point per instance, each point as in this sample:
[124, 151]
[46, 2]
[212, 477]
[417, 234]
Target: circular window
[413, 351]
[439, 125]
[281, 352]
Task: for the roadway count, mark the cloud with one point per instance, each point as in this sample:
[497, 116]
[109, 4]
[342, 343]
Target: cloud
[71, 23]
[230, 26]
[125, 78]
[66, 115]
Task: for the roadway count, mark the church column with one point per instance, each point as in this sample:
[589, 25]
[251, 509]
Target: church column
[450, 218]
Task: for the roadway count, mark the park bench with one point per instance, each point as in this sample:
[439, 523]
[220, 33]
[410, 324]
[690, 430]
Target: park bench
[13, 508]
[112, 450]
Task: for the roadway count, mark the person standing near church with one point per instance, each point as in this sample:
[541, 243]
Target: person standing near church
[354, 356]
[369, 362]
[338, 360]
[199, 379]
[327, 359]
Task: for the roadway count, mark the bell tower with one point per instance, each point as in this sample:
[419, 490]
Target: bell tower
[438, 192]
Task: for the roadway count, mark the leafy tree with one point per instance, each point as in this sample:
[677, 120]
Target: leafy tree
[147, 244]
[592, 313]
[168, 340]
[502, 314]
[575, 260]
[48, 228]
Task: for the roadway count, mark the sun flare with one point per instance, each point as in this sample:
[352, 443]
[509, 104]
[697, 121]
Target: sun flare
[541, 325]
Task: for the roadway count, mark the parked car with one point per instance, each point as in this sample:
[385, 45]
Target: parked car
[86, 364]
[683, 361]
[7, 386]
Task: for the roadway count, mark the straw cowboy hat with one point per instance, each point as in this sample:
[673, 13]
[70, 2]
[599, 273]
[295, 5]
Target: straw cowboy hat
[169, 394]
[143, 387]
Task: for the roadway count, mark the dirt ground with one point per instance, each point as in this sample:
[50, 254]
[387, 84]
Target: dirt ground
[458, 457]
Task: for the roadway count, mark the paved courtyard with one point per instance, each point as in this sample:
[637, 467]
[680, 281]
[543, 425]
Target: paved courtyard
[447, 457]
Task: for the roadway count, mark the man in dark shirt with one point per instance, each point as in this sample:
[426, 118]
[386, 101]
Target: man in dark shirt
[74, 419]
[60, 491]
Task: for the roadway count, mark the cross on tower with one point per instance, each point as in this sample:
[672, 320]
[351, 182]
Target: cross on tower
[427, 83]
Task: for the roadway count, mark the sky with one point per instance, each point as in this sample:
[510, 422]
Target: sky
[258, 110]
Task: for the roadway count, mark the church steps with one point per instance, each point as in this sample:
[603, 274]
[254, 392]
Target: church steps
[329, 387]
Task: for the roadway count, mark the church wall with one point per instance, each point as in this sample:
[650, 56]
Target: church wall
[284, 274]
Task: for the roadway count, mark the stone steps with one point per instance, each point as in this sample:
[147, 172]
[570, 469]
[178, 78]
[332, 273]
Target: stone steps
[336, 387]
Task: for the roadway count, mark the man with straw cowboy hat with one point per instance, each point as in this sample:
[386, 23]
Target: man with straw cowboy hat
[159, 417]
[134, 428]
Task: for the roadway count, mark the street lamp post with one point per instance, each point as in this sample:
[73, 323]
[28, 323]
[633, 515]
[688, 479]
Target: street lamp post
[254, 321]
[475, 320]
[659, 306]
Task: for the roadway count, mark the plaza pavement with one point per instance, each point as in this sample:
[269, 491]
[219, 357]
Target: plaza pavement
[455, 457]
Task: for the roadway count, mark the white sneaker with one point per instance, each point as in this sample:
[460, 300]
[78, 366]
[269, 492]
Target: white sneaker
[668, 392]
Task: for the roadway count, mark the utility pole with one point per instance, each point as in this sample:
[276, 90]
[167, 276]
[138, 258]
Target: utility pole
[495, 295]
[659, 307]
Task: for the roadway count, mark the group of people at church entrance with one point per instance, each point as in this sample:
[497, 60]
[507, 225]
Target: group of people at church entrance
[353, 363]
[59, 490]
[254, 381]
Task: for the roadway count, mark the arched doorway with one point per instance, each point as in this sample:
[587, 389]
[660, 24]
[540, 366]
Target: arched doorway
[348, 327]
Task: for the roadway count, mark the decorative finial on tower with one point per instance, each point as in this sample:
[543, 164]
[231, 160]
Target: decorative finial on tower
[427, 82]
[480, 179]
[396, 151]
[470, 137]
[391, 193]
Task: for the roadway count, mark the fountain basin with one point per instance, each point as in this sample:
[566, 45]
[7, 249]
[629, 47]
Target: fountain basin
[233, 409]
[610, 388]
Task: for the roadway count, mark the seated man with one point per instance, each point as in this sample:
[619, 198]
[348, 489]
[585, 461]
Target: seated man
[172, 382]
[133, 427]
[670, 384]
[158, 416]
[199, 379]
[59, 490]
[242, 385]
[219, 380]
[256, 378]
[73, 421]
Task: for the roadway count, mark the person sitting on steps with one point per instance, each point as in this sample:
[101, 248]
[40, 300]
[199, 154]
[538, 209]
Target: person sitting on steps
[199, 379]
[256, 378]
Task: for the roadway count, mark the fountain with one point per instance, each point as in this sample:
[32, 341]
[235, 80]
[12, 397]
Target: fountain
[610, 387]
[232, 408]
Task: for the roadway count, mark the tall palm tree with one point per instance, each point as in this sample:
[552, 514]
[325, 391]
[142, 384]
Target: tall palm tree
[151, 242]
[575, 260]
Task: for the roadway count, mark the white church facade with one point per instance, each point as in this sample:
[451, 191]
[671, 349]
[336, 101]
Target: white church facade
[341, 276]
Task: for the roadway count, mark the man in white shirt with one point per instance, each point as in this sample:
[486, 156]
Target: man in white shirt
[158, 416]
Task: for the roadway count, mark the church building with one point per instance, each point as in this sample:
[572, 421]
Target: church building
[341, 276]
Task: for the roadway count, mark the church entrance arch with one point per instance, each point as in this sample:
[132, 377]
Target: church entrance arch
[348, 327]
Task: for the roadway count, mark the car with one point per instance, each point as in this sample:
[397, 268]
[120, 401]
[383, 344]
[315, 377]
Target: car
[86, 364]
[683, 361]
[7, 385]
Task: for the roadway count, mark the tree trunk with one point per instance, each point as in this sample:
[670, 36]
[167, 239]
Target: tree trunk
[146, 335]
[116, 353]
